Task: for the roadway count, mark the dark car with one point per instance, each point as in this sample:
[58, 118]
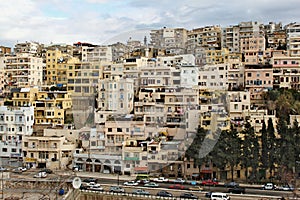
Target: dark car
[208, 194]
[188, 196]
[231, 184]
[164, 194]
[88, 180]
[237, 190]
[48, 171]
[141, 192]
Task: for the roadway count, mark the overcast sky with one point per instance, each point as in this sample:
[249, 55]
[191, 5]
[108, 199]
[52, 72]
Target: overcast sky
[108, 21]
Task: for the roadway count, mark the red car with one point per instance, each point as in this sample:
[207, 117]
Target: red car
[210, 182]
[177, 186]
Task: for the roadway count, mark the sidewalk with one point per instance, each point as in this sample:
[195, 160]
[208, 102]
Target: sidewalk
[105, 176]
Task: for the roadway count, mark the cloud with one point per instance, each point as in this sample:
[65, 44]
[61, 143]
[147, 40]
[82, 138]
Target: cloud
[97, 21]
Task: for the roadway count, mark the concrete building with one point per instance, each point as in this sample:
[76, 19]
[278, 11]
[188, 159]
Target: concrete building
[15, 124]
[253, 49]
[258, 79]
[285, 70]
[293, 39]
[231, 38]
[23, 70]
[213, 77]
[173, 40]
[49, 150]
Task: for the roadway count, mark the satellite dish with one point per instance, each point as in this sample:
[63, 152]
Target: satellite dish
[76, 183]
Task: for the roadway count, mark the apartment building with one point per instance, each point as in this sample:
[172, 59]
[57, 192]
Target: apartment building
[239, 106]
[230, 38]
[293, 39]
[50, 107]
[116, 95]
[50, 150]
[96, 53]
[253, 49]
[213, 77]
[235, 72]
[216, 56]
[27, 47]
[173, 40]
[59, 68]
[15, 124]
[23, 70]
[258, 79]
[285, 70]
[248, 29]
[208, 37]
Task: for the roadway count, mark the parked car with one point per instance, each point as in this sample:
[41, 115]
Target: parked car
[208, 194]
[177, 186]
[179, 180]
[219, 196]
[285, 187]
[48, 171]
[40, 175]
[210, 182]
[2, 169]
[161, 179]
[87, 180]
[163, 193]
[188, 196]
[96, 188]
[19, 170]
[91, 184]
[231, 184]
[268, 186]
[142, 181]
[237, 190]
[140, 192]
[131, 183]
[116, 189]
[196, 188]
[151, 184]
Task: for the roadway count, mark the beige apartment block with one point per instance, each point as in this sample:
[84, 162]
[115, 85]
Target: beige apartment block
[253, 49]
[239, 103]
[293, 39]
[231, 38]
[217, 56]
[47, 151]
[235, 72]
[173, 40]
[213, 77]
[258, 79]
[208, 37]
[23, 70]
[285, 70]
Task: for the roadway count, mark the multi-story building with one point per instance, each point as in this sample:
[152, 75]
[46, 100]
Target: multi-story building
[216, 56]
[15, 123]
[235, 72]
[213, 77]
[173, 40]
[51, 150]
[253, 49]
[27, 47]
[293, 39]
[231, 38]
[23, 70]
[208, 37]
[51, 107]
[258, 79]
[285, 70]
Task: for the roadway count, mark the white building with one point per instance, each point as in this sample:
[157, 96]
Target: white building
[14, 124]
[213, 77]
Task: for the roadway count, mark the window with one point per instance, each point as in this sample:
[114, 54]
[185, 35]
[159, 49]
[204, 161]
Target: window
[109, 129]
[249, 74]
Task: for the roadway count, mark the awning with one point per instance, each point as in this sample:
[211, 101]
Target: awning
[144, 169]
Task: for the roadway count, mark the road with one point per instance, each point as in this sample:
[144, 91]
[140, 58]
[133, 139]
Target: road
[107, 180]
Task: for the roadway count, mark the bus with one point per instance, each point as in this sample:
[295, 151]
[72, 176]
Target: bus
[142, 176]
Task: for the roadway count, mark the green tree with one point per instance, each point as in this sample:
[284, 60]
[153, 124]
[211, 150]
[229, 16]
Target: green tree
[271, 142]
[227, 151]
[264, 147]
[250, 152]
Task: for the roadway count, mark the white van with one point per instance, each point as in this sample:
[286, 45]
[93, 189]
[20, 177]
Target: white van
[219, 196]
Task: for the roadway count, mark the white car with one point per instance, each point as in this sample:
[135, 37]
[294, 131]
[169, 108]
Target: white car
[93, 184]
[161, 179]
[131, 183]
[96, 188]
[40, 175]
[179, 180]
[268, 186]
